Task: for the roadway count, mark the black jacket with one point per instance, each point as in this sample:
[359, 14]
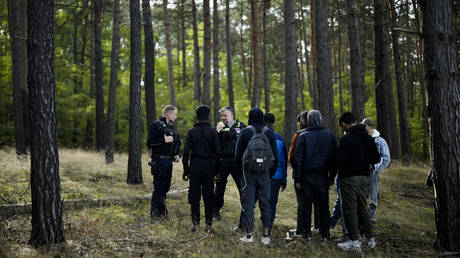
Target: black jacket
[201, 143]
[356, 153]
[228, 137]
[256, 121]
[156, 141]
[315, 153]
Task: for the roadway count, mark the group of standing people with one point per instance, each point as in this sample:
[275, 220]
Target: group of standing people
[256, 157]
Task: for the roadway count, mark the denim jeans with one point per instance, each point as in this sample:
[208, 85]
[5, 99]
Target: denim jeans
[373, 194]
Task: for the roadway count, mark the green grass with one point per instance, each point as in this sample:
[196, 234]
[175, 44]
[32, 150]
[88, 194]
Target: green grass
[405, 225]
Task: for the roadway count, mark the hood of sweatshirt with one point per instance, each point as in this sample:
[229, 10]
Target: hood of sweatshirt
[375, 133]
[314, 118]
[358, 130]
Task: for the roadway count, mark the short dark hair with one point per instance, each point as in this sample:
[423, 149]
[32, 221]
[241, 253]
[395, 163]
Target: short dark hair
[202, 112]
[269, 118]
[347, 118]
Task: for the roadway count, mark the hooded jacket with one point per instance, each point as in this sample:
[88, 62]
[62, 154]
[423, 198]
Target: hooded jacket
[256, 120]
[384, 152]
[357, 152]
[315, 150]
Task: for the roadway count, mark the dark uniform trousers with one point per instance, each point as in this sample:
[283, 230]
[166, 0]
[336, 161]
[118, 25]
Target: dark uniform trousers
[226, 168]
[162, 174]
[201, 183]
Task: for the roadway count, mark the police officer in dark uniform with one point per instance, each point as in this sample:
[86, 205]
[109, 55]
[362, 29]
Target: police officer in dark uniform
[164, 144]
[228, 130]
[203, 152]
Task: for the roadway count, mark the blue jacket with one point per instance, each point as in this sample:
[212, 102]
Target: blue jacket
[315, 153]
[281, 168]
[384, 152]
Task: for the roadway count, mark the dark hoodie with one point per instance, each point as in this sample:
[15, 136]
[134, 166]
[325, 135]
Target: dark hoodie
[356, 153]
[316, 149]
[256, 120]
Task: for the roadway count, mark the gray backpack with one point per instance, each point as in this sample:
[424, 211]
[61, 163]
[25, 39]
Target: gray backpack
[258, 156]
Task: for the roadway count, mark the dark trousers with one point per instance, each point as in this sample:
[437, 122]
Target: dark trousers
[201, 183]
[226, 168]
[256, 187]
[354, 191]
[316, 188]
[276, 185]
[162, 174]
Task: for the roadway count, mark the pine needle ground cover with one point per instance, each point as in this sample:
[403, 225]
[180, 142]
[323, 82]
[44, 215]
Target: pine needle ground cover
[405, 225]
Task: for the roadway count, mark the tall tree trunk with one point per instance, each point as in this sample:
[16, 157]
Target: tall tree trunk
[307, 61]
[443, 107]
[404, 130]
[243, 57]
[47, 226]
[172, 92]
[290, 97]
[184, 46]
[339, 59]
[422, 82]
[114, 65]
[316, 97]
[323, 66]
[358, 98]
[75, 76]
[196, 57]
[149, 72]
[266, 73]
[17, 20]
[135, 126]
[89, 134]
[255, 100]
[386, 113]
[231, 100]
[206, 54]
[98, 74]
[215, 62]
[301, 77]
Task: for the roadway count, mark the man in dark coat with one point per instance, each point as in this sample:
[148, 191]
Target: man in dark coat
[164, 144]
[256, 185]
[314, 160]
[203, 152]
[356, 154]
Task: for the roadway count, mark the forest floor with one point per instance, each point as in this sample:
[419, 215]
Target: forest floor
[405, 225]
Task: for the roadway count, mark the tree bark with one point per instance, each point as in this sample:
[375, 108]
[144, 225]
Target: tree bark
[243, 57]
[98, 74]
[196, 57]
[404, 130]
[386, 113]
[311, 89]
[114, 65]
[75, 77]
[149, 72]
[215, 62]
[184, 46]
[255, 100]
[358, 98]
[266, 73]
[135, 126]
[172, 92]
[314, 55]
[323, 66]
[206, 97]
[17, 21]
[443, 107]
[89, 136]
[290, 97]
[47, 226]
[231, 99]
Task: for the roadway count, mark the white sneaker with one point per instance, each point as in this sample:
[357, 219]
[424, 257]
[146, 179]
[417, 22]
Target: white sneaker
[350, 245]
[247, 239]
[371, 242]
[265, 240]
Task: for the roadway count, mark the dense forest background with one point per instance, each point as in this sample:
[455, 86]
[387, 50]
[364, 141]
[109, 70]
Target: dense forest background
[255, 45]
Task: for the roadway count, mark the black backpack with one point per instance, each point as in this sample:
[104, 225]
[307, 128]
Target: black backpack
[258, 156]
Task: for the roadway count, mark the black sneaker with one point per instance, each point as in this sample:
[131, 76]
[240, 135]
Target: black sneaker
[216, 215]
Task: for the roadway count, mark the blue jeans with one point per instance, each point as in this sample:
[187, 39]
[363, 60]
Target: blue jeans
[256, 186]
[161, 184]
[337, 213]
[276, 185]
[373, 194]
